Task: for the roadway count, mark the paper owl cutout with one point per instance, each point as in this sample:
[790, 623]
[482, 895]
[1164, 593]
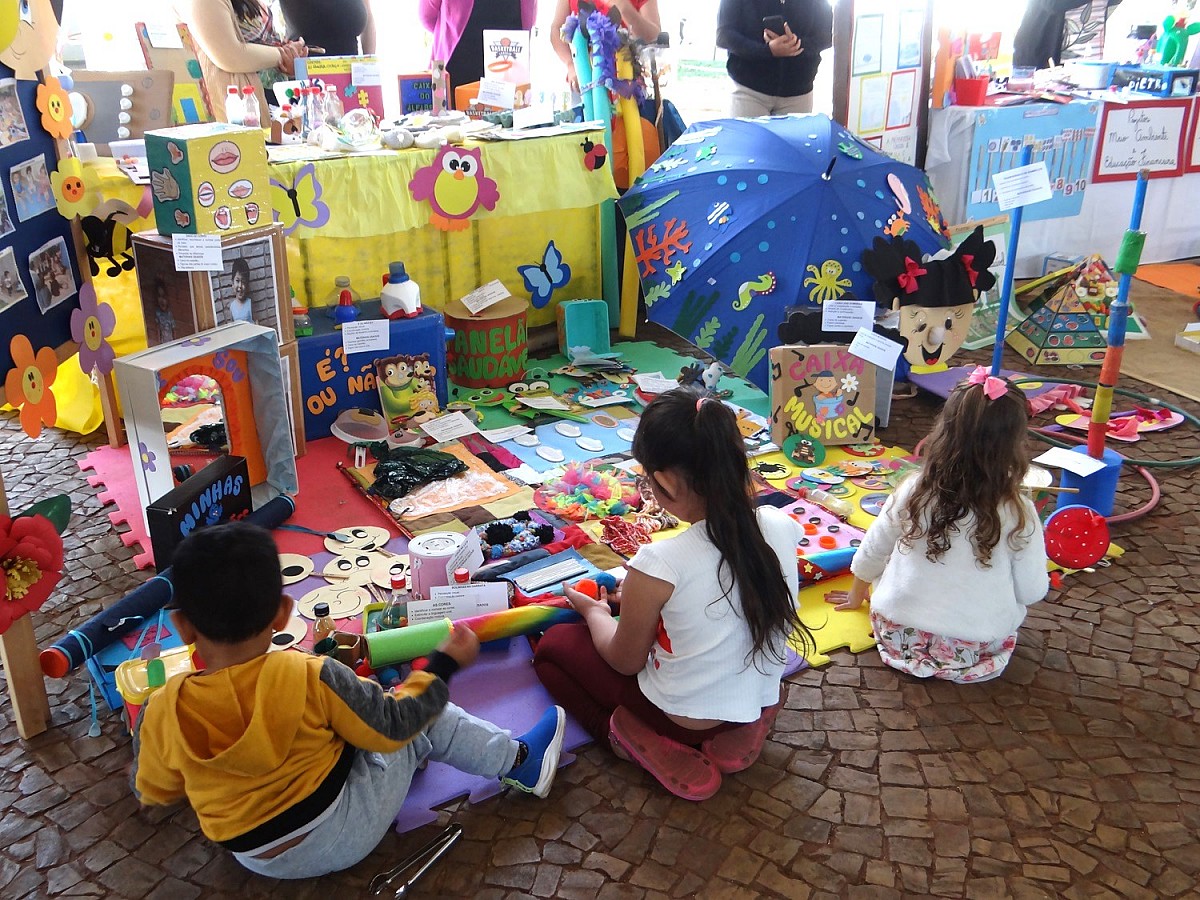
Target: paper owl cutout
[455, 186]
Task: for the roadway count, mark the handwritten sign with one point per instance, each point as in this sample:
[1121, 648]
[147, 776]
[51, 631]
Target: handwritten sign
[1146, 135]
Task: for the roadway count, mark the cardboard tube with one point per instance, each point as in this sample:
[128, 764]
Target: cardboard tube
[396, 645]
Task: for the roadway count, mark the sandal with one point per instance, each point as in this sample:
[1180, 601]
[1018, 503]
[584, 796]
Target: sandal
[738, 749]
[684, 771]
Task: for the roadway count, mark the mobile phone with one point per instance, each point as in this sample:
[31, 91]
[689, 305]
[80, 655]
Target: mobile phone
[774, 24]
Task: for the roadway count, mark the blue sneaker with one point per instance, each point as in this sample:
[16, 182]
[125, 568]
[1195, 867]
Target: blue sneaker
[544, 745]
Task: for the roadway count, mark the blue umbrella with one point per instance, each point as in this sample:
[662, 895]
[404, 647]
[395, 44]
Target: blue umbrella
[742, 218]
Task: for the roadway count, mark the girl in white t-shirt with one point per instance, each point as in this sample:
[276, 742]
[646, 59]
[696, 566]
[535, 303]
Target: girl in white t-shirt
[957, 553]
[241, 306]
[687, 682]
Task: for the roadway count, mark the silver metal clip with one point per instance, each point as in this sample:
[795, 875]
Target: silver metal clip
[419, 863]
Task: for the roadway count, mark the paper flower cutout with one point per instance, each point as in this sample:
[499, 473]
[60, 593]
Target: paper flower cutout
[91, 325]
[76, 192]
[27, 386]
[31, 561]
[849, 383]
[147, 457]
[55, 106]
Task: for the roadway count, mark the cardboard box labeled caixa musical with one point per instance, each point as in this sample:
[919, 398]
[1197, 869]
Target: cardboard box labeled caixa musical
[822, 392]
[208, 179]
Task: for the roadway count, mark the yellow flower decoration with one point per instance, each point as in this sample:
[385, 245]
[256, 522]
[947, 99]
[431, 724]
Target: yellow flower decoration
[76, 192]
[55, 107]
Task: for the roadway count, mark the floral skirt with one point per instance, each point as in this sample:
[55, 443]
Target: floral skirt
[927, 655]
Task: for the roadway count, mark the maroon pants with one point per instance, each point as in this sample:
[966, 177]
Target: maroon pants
[590, 689]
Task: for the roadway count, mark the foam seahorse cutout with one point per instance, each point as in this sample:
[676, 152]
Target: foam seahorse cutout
[763, 284]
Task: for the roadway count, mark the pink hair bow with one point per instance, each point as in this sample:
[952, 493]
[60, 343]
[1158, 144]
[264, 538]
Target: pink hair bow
[993, 388]
[908, 278]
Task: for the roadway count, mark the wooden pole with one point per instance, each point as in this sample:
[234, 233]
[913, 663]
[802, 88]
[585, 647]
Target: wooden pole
[19, 656]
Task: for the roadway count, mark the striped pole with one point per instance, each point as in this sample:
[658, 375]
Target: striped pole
[1128, 258]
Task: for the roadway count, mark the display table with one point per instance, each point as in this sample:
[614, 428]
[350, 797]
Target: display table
[547, 193]
[1171, 218]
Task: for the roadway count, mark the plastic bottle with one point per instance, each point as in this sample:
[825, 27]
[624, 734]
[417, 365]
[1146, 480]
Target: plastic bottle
[826, 500]
[345, 311]
[323, 627]
[395, 614]
[400, 297]
[313, 106]
[334, 108]
[251, 115]
[235, 110]
[341, 283]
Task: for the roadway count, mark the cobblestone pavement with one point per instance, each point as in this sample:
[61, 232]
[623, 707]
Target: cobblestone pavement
[1077, 774]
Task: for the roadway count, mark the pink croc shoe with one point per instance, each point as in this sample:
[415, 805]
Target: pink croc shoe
[682, 770]
[738, 749]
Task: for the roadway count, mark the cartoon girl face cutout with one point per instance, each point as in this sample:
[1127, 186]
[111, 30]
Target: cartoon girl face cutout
[28, 36]
[933, 334]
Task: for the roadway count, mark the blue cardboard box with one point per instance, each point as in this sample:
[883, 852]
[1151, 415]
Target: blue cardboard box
[331, 382]
[1161, 81]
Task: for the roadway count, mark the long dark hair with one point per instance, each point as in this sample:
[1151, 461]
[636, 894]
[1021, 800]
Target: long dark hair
[698, 438]
[974, 463]
[246, 10]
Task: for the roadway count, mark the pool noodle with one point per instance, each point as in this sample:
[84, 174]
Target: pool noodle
[583, 70]
[397, 645]
[135, 608]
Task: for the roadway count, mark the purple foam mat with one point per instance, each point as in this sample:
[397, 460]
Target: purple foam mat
[942, 383]
[502, 688]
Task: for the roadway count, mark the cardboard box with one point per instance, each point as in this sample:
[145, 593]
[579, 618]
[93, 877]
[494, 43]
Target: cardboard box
[823, 393]
[583, 323]
[465, 93]
[356, 78]
[289, 364]
[244, 361]
[208, 178]
[220, 492]
[1161, 81]
[416, 92]
[178, 304]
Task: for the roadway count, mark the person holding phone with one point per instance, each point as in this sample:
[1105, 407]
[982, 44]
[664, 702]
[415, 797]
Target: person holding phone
[774, 49]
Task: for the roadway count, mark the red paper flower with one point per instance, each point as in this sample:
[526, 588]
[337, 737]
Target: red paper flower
[31, 560]
[28, 384]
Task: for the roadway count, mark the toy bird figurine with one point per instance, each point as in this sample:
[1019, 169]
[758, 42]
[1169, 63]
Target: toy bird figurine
[455, 186]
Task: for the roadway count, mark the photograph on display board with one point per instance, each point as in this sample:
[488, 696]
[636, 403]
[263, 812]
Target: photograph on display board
[50, 272]
[166, 306]
[6, 223]
[12, 286]
[245, 290]
[32, 194]
[12, 119]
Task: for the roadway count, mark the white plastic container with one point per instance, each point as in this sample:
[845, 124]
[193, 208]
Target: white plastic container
[400, 297]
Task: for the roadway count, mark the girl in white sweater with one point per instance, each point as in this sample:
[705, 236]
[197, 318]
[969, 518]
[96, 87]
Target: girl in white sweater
[957, 553]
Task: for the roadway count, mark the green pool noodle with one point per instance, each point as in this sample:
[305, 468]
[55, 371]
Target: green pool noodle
[396, 645]
[1130, 254]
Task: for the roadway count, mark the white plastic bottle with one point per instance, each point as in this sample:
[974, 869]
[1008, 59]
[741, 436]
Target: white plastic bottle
[334, 108]
[401, 296]
[251, 115]
[825, 500]
[235, 110]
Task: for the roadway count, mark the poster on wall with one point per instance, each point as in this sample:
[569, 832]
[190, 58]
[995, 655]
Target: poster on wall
[1064, 138]
[1142, 135]
[885, 67]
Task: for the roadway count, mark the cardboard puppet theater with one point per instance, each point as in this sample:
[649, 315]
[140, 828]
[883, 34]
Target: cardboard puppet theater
[244, 360]
[931, 301]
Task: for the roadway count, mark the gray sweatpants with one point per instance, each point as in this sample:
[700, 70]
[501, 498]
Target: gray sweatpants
[357, 821]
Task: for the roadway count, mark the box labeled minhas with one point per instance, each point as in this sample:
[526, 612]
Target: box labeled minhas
[208, 179]
[220, 492]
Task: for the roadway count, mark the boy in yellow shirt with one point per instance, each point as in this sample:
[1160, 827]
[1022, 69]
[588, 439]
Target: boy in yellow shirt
[291, 761]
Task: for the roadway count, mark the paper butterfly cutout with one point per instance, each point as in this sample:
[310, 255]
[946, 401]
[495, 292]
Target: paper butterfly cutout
[299, 203]
[543, 278]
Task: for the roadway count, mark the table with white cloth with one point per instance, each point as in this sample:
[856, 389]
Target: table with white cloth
[1171, 217]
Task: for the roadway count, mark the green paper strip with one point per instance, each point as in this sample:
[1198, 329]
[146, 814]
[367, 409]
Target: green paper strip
[1130, 254]
[397, 645]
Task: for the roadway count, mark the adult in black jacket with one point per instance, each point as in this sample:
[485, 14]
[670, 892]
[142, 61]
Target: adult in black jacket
[773, 72]
[336, 25]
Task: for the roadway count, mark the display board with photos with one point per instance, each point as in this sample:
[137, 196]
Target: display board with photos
[39, 269]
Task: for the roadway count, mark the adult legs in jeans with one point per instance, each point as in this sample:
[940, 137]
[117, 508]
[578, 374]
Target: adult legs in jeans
[580, 681]
[745, 103]
[376, 788]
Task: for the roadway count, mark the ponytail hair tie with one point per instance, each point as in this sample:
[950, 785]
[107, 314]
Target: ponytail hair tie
[700, 402]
